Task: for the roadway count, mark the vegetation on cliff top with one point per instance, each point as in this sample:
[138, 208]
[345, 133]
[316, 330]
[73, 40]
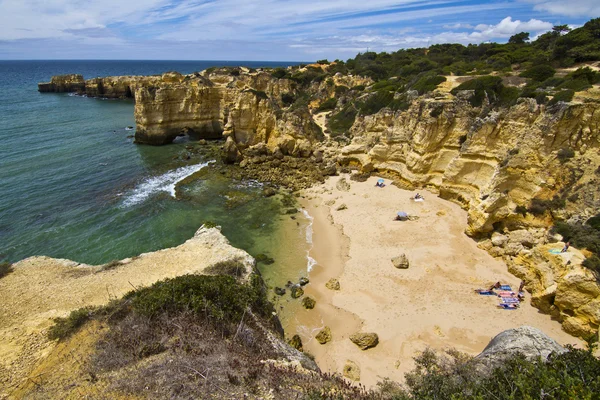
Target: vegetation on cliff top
[421, 70]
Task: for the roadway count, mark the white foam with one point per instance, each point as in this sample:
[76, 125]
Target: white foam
[162, 183]
[309, 228]
[310, 262]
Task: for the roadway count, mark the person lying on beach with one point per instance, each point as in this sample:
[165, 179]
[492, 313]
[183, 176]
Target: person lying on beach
[485, 292]
[419, 197]
[496, 285]
[564, 250]
[508, 306]
[380, 184]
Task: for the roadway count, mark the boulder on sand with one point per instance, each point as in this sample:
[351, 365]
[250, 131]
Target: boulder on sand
[352, 371]
[324, 336]
[365, 340]
[401, 261]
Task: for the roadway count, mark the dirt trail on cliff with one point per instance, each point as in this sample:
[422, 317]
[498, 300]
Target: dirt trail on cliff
[42, 288]
[432, 303]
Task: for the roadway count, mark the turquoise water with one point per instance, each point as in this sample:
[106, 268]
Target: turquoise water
[73, 185]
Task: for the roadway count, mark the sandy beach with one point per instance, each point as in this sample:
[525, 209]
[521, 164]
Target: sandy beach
[432, 303]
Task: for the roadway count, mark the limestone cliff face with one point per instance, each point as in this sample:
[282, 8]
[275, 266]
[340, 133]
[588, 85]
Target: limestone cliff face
[489, 161]
[248, 108]
[63, 84]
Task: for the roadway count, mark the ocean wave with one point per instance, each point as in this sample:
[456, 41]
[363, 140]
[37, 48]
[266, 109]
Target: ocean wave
[162, 183]
[310, 262]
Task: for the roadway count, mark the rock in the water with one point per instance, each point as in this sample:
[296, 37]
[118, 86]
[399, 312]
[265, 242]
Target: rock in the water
[352, 371]
[231, 154]
[401, 261]
[365, 340]
[324, 336]
[333, 284]
[296, 342]
[343, 185]
[303, 281]
[308, 303]
[529, 341]
[279, 291]
[265, 259]
[341, 207]
[296, 292]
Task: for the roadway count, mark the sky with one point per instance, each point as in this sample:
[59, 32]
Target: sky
[266, 30]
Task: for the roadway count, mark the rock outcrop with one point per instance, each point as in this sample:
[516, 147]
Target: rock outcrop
[561, 287]
[489, 161]
[525, 340]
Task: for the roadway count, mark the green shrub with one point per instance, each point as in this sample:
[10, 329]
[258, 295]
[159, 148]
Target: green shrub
[571, 375]
[587, 74]
[65, 327]
[5, 269]
[217, 298]
[280, 73]
[209, 224]
[375, 102]
[485, 86]
[594, 222]
[341, 90]
[358, 88]
[593, 264]
[564, 95]
[328, 104]
[539, 206]
[539, 73]
[576, 85]
[580, 235]
[343, 120]
[323, 62]
[428, 83]
[230, 267]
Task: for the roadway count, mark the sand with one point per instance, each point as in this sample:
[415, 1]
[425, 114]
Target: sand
[432, 303]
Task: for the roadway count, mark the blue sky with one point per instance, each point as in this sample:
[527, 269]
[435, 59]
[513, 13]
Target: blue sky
[300, 30]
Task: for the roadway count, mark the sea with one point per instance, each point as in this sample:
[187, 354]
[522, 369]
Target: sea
[74, 185]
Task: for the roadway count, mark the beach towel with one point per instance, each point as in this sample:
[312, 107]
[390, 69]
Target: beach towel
[510, 300]
[508, 306]
[419, 199]
[505, 287]
[554, 251]
[506, 293]
[484, 292]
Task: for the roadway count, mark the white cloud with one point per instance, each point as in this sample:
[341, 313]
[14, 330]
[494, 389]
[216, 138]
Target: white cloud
[507, 27]
[458, 26]
[571, 8]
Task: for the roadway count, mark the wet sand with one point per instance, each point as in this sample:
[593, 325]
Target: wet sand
[432, 303]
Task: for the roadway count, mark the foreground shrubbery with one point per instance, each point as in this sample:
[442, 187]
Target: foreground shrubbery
[201, 337]
[572, 375]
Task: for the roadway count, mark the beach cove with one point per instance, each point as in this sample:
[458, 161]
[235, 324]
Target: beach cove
[430, 304]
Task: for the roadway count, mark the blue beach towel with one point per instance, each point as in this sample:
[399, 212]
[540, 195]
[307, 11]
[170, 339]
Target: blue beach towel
[486, 292]
[507, 306]
[505, 287]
